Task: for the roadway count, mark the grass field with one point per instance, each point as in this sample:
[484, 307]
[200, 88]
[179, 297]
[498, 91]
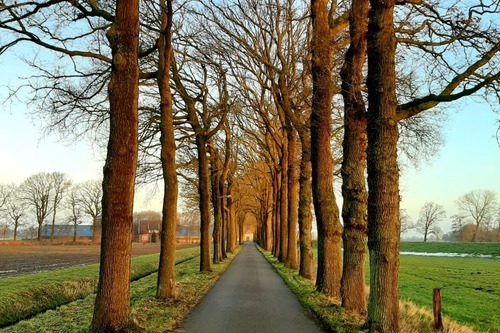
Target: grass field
[149, 314]
[470, 286]
[28, 295]
[492, 249]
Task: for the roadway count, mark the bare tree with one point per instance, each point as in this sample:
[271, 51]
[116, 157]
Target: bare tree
[112, 305]
[205, 115]
[326, 209]
[479, 206]
[405, 223]
[37, 191]
[90, 200]
[166, 276]
[383, 172]
[430, 214]
[15, 209]
[73, 203]
[60, 184]
[5, 193]
[354, 191]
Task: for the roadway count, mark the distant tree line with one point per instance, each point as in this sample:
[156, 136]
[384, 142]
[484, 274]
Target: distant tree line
[477, 220]
[42, 196]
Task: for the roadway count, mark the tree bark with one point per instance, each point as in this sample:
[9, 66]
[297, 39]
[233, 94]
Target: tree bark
[269, 217]
[216, 204]
[293, 197]
[276, 213]
[306, 268]
[166, 276]
[112, 309]
[204, 193]
[284, 200]
[383, 173]
[327, 214]
[354, 164]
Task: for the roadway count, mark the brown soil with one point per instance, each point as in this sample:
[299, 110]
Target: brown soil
[25, 258]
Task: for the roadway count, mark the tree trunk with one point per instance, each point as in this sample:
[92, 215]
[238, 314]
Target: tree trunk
[293, 197]
[39, 232]
[165, 286]
[354, 164]
[276, 213]
[204, 192]
[306, 268]
[216, 195]
[15, 231]
[284, 200]
[223, 213]
[52, 230]
[112, 309]
[327, 214]
[383, 173]
[269, 218]
[231, 224]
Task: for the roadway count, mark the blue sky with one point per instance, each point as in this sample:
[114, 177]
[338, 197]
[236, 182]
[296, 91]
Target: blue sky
[468, 160]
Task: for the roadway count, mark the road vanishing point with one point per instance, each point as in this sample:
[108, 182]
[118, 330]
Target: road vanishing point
[249, 297]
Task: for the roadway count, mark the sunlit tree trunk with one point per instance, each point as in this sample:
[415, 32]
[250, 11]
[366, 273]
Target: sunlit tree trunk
[354, 190]
[293, 197]
[276, 213]
[166, 277]
[269, 218]
[383, 173]
[204, 193]
[327, 214]
[283, 231]
[112, 309]
[305, 202]
[216, 204]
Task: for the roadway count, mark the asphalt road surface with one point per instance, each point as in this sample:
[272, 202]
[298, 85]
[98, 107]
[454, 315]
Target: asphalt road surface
[249, 297]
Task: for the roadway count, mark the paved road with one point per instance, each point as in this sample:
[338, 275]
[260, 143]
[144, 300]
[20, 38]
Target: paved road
[249, 298]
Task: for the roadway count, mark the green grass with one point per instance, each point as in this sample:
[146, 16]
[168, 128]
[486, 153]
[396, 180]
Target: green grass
[468, 248]
[147, 312]
[25, 296]
[470, 287]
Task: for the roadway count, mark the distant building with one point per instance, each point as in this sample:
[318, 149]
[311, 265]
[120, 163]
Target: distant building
[67, 231]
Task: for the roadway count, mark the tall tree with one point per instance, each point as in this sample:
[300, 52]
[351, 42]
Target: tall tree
[166, 277]
[327, 214]
[354, 190]
[430, 214]
[478, 205]
[112, 308]
[36, 192]
[201, 121]
[383, 172]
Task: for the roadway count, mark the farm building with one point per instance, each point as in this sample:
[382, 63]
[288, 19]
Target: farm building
[67, 230]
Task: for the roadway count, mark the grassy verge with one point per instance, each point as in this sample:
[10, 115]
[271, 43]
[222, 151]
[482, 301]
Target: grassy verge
[492, 249]
[469, 296]
[149, 313]
[470, 287]
[25, 296]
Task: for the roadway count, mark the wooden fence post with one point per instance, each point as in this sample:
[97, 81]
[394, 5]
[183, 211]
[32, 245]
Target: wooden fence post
[438, 321]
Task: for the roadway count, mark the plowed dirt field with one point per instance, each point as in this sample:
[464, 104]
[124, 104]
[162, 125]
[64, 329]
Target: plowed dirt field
[26, 259]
